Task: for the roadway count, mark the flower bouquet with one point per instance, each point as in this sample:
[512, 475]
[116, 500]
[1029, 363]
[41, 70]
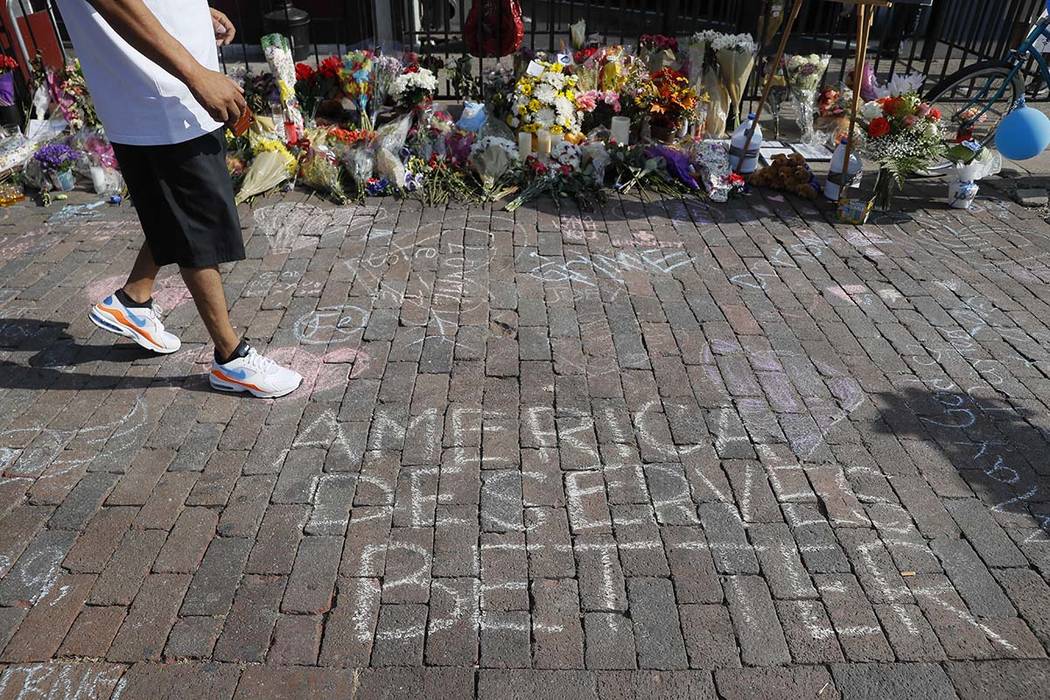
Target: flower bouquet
[736, 59]
[319, 167]
[414, 88]
[657, 51]
[598, 108]
[385, 70]
[278, 52]
[804, 74]
[493, 159]
[69, 91]
[903, 137]
[696, 56]
[660, 169]
[971, 163]
[674, 104]
[545, 99]
[271, 165]
[833, 105]
[356, 79]
[561, 179]
[438, 181]
[313, 88]
[55, 162]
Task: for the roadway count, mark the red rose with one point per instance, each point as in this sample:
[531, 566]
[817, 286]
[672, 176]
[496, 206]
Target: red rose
[878, 127]
[303, 71]
[934, 114]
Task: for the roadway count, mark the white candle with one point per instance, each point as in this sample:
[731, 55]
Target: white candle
[556, 139]
[621, 130]
[524, 144]
[543, 142]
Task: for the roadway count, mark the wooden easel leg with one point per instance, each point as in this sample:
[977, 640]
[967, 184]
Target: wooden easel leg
[788, 27]
[864, 18]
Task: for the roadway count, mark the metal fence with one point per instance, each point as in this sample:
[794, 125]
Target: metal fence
[935, 40]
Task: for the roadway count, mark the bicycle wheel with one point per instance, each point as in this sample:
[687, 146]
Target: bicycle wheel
[974, 100]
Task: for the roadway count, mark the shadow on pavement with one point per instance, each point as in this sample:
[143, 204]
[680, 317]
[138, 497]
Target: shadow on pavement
[991, 444]
[57, 353]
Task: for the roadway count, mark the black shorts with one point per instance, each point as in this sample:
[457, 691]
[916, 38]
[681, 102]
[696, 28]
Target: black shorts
[184, 199]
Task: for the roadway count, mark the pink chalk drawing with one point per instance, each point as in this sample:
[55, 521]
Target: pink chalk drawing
[169, 293]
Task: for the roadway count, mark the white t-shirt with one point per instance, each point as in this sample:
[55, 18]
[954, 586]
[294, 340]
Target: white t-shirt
[139, 103]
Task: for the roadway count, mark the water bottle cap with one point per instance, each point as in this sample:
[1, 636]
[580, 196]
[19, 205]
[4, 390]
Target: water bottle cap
[844, 141]
[751, 116]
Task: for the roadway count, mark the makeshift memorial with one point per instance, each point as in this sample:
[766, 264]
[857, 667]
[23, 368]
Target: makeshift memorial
[560, 180]
[804, 74]
[903, 136]
[789, 173]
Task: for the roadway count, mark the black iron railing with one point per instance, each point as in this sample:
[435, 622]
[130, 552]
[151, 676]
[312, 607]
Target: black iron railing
[935, 40]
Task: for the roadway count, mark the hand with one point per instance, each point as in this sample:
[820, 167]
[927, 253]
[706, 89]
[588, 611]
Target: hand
[224, 30]
[218, 94]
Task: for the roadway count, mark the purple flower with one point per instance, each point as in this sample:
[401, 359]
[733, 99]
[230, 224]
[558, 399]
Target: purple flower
[55, 157]
[676, 164]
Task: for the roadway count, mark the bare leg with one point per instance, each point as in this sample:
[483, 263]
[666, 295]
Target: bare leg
[143, 274]
[205, 286]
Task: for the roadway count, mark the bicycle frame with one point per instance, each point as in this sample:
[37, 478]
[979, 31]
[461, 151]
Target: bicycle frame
[1017, 58]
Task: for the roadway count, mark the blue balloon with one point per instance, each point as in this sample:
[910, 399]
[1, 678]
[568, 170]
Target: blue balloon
[1024, 133]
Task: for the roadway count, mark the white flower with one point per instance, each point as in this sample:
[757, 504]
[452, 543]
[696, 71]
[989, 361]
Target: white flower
[563, 106]
[556, 80]
[901, 85]
[545, 93]
[565, 153]
[544, 117]
[871, 110]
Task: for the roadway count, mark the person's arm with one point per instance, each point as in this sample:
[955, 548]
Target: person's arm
[133, 21]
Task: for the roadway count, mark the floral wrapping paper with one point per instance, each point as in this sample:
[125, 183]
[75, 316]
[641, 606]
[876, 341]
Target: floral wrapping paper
[712, 160]
[279, 56]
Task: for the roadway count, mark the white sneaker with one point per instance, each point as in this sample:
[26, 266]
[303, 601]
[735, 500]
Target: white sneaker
[142, 325]
[258, 375]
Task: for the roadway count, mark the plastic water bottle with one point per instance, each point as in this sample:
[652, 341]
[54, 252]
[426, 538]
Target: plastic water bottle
[836, 178]
[741, 161]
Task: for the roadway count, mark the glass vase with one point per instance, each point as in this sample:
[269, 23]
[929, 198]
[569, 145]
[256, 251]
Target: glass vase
[885, 189]
[805, 113]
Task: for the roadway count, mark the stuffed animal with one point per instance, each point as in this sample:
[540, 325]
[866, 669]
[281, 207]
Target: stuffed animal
[789, 173]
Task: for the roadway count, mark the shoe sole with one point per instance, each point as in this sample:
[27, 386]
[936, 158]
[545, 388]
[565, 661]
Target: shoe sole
[107, 322]
[232, 388]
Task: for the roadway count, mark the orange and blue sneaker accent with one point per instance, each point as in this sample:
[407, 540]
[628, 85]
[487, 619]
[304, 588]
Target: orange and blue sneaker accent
[251, 372]
[141, 324]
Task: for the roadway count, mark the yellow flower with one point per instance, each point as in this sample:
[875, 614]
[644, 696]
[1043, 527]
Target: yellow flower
[570, 95]
[531, 128]
[523, 111]
[557, 130]
[525, 89]
[554, 67]
[534, 105]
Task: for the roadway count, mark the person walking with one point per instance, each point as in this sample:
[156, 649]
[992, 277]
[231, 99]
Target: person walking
[152, 68]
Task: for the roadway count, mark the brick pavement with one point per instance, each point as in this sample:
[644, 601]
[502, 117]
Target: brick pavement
[665, 450]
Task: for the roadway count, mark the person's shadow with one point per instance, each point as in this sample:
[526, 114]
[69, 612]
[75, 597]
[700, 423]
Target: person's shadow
[56, 355]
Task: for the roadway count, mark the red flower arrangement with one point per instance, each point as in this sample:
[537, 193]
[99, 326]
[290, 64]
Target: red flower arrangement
[658, 42]
[674, 101]
[7, 64]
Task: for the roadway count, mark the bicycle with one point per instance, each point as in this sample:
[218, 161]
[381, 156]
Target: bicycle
[976, 98]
